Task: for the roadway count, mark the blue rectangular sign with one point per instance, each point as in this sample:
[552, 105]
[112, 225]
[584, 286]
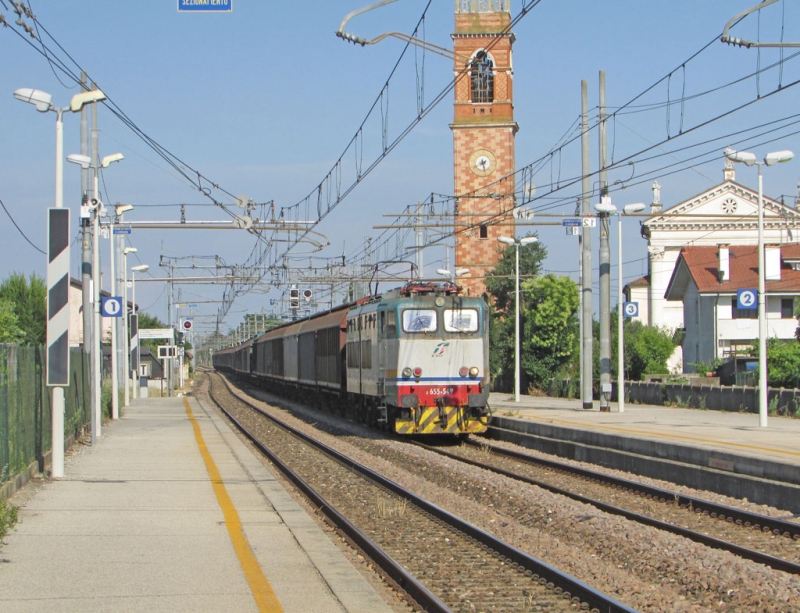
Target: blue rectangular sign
[571, 222]
[122, 230]
[746, 299]
[205, 5]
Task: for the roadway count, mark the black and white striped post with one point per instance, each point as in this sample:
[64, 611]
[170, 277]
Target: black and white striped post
[57, 327]
[134, 353]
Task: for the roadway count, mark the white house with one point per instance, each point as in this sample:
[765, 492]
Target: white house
[726, 214]
[76, 315]
[705, 284]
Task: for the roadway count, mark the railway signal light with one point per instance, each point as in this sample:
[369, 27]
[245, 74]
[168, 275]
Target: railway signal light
[294, 297]
[187, 324]
[307, 294]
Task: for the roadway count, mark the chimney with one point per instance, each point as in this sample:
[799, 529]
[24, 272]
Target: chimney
[724, 267]
[772, 261]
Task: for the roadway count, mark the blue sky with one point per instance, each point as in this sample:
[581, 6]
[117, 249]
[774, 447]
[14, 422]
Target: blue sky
[263, 100]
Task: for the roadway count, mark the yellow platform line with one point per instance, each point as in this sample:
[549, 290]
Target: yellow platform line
[667, 435]
[266, 600]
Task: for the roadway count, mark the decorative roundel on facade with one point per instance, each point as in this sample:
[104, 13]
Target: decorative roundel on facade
[729, 205]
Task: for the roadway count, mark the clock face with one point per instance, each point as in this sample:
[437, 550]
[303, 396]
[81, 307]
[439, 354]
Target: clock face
[482, 162]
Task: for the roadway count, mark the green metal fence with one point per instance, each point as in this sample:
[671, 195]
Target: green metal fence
[25, 434]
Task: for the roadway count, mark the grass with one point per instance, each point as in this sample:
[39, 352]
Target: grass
[8, 519]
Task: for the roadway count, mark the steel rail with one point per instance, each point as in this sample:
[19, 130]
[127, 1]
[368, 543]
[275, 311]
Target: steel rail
[576, 588]
[780, 527]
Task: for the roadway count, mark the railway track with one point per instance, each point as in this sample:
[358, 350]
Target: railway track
[440, 561]
[762, 539]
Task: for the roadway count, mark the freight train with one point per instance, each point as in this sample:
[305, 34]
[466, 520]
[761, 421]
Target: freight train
[414, 360]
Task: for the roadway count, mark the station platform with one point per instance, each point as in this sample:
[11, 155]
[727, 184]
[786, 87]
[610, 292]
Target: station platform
[170, 511]
[725, 452]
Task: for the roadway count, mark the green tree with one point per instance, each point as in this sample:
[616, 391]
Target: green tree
[647, 349]
[10, 332]
[148, 322]
[29, 297]
[500, 284]
[500, 281]
[783, 362]
[550, 335]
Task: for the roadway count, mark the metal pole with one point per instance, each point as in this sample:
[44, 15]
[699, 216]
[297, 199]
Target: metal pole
[762, 310]
[97, 342]
[135, 374]
[516, 328]
[620, 322]
[605, 262]
[586, 266]
[57, 396]
[97, 345]
[114, 377]
[126, 374]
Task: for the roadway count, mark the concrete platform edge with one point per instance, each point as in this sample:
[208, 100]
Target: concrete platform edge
[658, 460]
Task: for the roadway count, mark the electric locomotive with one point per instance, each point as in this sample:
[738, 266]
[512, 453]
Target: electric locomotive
[414, 360]
[418, 360]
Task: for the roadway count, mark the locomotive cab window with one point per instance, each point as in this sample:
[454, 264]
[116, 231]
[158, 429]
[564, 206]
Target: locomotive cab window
[419, 320]
[461, 320]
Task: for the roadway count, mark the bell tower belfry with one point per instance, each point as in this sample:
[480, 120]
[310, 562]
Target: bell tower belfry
[483, 135]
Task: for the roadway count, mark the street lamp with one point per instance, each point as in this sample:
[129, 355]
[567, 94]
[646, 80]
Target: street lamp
[44, 103]
[629, 209]
[126, 339]
[134, 269]
[517, 243]
[118, 210]
[750, 159]
[84, 161]
[452, 275]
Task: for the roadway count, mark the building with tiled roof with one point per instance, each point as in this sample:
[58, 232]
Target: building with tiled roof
[705, 283]
[726, 214]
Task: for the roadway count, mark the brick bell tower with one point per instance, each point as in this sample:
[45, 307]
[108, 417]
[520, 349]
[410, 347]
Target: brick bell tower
[483, 136]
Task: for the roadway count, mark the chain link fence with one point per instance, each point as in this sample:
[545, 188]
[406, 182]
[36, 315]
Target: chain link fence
[25, 418]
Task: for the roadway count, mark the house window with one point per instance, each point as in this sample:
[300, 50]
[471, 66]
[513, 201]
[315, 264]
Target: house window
[483, 231]
[787, 308]
[738, 313]
[482, 78]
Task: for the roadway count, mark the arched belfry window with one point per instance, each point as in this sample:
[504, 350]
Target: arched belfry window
[482, 77]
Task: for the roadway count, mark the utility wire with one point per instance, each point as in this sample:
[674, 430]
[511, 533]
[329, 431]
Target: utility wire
[20, 229]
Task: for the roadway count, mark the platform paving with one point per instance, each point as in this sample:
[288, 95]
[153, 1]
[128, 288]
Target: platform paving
[136, 526]
[729, 432]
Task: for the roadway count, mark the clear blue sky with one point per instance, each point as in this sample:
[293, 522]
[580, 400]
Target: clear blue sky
[263, 100]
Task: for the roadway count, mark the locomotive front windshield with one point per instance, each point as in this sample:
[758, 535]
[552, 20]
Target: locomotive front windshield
[427, 320]
[460, 320]
[419, 320]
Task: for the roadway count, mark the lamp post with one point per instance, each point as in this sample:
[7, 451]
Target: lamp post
[84, 161]
[458, 272]
[134, 269]
[126, 374]
[43, 103]
[517, 243]
[750, 159]
[118, 210]
[629, 209]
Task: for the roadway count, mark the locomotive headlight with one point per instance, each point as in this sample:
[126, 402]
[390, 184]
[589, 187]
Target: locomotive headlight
[407, 373]
[473, 372]
[463, 371]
